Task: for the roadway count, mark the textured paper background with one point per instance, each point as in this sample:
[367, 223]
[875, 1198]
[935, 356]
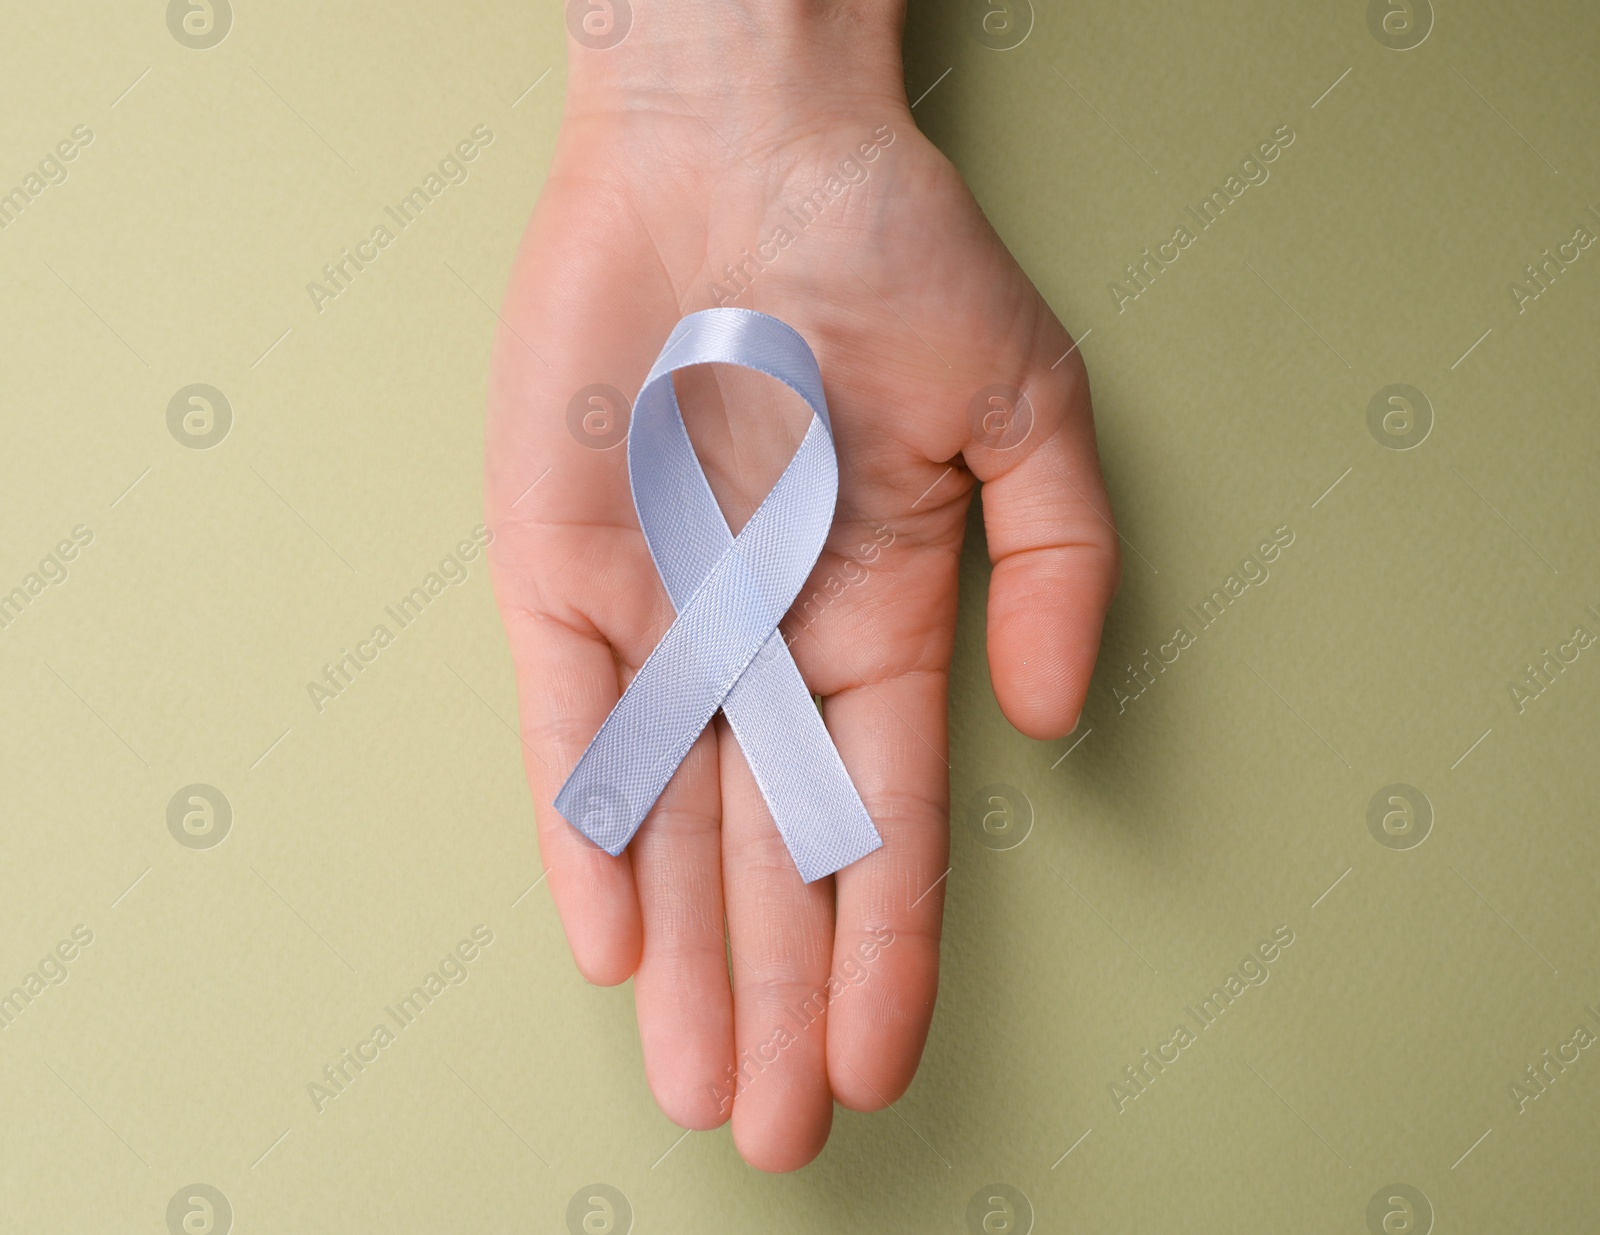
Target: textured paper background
[1169, 836]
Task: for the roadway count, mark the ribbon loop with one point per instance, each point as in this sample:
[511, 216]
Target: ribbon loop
[724, 650]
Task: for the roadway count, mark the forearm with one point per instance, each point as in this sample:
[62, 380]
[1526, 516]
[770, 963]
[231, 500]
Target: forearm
[724, 56]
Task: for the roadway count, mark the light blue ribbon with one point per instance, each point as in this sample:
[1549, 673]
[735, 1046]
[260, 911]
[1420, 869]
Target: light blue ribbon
[724, 650]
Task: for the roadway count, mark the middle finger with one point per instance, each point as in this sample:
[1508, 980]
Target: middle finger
[781, 937]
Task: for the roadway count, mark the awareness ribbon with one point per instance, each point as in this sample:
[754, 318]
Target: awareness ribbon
[724, 649]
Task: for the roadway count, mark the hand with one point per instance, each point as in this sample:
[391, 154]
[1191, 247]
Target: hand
[685, 154]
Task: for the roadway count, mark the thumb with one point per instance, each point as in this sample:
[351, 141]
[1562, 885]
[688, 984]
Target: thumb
[1054, 548]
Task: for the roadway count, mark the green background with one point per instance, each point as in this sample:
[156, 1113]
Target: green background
[1169, 836]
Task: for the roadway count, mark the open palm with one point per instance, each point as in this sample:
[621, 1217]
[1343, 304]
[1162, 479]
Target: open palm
[760, 997]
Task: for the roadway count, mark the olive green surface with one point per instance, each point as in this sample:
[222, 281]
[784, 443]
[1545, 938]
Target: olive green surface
[1374, 735]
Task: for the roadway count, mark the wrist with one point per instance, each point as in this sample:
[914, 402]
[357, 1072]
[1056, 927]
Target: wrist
[738, 59]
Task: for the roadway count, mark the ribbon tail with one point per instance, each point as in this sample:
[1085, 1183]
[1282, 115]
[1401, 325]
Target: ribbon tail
[819, 814]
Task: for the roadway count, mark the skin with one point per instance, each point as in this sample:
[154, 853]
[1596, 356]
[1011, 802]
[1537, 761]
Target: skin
[678, 149]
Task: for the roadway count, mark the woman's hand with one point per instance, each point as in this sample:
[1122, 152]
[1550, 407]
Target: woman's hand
[765, 158]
